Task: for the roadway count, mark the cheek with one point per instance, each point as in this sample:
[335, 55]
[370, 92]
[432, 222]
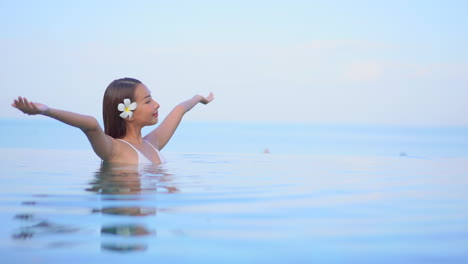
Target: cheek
[141, 108]
[147, 108]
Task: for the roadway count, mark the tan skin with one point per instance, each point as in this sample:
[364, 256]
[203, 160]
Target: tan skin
[110, 149]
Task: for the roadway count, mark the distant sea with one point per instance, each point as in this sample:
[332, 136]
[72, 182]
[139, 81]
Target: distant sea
[281, 138]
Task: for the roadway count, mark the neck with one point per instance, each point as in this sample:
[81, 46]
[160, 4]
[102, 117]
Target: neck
[133, 135]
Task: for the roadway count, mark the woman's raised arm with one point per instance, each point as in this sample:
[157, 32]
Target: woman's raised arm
[161, 135]
[102, 144]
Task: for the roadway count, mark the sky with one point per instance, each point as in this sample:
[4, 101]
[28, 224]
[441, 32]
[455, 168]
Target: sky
[358, 62]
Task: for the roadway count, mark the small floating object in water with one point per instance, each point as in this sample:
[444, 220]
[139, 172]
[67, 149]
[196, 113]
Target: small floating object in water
[266, 151]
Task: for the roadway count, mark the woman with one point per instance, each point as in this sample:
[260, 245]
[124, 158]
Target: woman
[127, 108]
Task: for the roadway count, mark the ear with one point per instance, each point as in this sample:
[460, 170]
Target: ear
[130, 119]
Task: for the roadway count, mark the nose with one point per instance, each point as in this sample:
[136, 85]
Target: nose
[156, 105]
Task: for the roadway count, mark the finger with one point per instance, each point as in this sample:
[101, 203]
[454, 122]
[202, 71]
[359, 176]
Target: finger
[210, 97]
[30, 105]
[18, 104]
[24, 102]
[27, 103]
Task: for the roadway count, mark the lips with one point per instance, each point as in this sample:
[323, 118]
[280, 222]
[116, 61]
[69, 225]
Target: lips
[155, 114]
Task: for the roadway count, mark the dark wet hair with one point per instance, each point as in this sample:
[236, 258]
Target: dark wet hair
[115, 93]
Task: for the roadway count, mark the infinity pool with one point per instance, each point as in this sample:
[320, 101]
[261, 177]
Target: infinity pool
[61, 206]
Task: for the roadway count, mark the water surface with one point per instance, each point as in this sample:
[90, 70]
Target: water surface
[61, 205]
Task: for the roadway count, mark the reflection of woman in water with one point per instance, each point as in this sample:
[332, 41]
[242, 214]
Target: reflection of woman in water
[127, 179]
[127, 107]
[117, 183]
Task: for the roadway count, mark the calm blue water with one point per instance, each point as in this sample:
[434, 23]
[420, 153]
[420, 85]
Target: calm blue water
[325, 194]
[421, 141]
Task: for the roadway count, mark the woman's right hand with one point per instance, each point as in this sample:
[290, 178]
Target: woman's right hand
[29, 108]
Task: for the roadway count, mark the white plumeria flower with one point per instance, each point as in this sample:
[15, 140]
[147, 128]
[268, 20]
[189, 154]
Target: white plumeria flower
[127, 107]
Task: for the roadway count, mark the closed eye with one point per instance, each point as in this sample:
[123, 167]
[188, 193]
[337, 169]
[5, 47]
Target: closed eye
[149, 99]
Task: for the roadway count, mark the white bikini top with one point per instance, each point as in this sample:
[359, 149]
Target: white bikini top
[142, 159]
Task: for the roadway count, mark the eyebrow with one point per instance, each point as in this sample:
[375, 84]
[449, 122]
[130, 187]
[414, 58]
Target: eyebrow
[148, 96]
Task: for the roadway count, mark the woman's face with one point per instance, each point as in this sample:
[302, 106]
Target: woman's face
[147, 109]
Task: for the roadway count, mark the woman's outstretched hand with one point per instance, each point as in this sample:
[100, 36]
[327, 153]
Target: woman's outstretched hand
[29, 108]
[206, 100]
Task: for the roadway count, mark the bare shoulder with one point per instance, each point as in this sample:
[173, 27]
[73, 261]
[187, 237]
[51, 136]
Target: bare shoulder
[121, 151]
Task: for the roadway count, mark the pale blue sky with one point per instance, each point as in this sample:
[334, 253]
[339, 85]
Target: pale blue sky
[377, 62]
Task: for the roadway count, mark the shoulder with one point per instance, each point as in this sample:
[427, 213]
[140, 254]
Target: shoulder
[120, 151]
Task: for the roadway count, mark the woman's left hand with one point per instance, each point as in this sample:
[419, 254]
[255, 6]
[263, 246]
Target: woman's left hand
[206, 100]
